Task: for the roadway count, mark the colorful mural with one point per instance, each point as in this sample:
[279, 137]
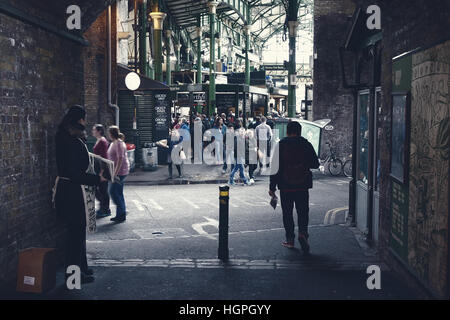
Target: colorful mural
[429, 166]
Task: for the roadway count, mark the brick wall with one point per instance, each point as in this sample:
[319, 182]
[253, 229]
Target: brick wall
[41, 75]
[406, 27]
[95, 70]
[331, 101]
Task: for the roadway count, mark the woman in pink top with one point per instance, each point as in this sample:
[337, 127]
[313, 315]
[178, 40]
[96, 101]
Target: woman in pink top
[117, 153]
[101, 149]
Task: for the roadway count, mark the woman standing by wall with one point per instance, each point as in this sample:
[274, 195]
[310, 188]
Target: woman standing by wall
[117, 153]
[101, 149]
[72, 160]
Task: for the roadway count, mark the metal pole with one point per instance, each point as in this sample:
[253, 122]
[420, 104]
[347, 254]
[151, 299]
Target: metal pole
[143, 66]
[212, 57]
[135, 37]
[168, 63]
[199, 50]
[247, 47]
[292, 99]
[219, 42]
[224, 198]
[293, 25]
[158, 18]
[306, 101]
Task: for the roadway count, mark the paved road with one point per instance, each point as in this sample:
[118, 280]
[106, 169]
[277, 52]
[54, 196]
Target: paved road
[181, 222]
[167, 249]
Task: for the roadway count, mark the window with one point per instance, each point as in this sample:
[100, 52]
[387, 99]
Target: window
[398, 154]
[363, 136]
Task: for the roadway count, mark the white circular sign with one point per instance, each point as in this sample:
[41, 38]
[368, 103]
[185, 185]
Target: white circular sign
[132, 81]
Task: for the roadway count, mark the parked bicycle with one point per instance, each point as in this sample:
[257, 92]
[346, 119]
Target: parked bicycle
[334, 163]
[348, 167]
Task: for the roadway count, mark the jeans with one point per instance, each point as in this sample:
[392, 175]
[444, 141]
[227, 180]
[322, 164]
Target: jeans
[251, 170]
[116, 193]
[301, 200]
[240, 167]
[228, 157]
[102, 195]
[171, 169]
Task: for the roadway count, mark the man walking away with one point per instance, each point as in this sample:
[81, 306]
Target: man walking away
[294, 179]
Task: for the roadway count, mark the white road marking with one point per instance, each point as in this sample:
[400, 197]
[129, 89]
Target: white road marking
[198, 227]
[155, 205]
[191, 203]
[138, 205]
[330, 216]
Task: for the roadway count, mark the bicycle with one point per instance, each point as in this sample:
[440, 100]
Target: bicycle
[334, 163]
[347, 170]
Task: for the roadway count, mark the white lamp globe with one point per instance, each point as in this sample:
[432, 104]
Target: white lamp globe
[132, 81]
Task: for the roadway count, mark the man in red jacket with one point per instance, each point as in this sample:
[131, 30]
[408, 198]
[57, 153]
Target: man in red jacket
[294, 179]
[101, 149]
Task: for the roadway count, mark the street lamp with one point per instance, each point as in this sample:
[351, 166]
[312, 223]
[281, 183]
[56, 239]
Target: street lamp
[133, 82]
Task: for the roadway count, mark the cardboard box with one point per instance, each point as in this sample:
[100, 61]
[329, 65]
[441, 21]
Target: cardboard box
[37, 270]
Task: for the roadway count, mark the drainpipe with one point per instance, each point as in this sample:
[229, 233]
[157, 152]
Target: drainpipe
[110, 104]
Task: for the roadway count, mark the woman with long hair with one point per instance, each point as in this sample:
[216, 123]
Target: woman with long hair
[72, 160]
[101, 149]
[117, 153]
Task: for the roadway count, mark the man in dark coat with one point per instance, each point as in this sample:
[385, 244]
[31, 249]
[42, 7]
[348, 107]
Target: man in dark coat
[72, 159]
[296, 156]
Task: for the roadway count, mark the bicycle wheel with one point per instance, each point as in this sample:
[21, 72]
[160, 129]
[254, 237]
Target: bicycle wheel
[348, 168]
[335, 167]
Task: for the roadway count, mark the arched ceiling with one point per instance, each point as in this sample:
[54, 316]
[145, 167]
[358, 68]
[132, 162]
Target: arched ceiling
[266, 18]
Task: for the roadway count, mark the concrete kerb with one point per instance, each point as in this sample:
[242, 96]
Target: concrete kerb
[174, 182]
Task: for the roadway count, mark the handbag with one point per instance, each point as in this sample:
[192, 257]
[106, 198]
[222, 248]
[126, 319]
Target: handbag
[182, 155]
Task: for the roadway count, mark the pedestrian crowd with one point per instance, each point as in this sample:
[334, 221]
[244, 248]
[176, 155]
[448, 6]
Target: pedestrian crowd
[234, 133]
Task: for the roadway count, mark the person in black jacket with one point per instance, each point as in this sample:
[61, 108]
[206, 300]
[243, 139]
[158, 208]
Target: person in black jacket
[72, 160]
[294, 178]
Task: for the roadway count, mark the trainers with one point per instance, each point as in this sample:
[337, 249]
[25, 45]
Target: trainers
[252, 182]
[224, 171]
[303, 239]
[103, 214]
[288, 244]
[231, 183]
[118, 219]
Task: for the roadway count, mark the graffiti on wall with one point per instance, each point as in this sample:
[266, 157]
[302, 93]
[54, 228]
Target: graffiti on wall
[429, 165]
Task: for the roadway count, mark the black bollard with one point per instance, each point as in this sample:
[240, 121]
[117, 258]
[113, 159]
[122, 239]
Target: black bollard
[224, 197]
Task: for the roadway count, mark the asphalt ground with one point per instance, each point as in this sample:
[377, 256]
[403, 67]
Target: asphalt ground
[167, 249]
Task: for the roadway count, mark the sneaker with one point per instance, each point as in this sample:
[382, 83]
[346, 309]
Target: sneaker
[288, 244]
[252, 182]
[231, 183]
[303, 239]
[224, 171]
[103, 214]
[118, 219]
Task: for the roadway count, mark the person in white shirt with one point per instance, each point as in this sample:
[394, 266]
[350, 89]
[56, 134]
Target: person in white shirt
[263, 136]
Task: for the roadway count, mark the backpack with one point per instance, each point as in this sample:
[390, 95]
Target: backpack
[295, 168]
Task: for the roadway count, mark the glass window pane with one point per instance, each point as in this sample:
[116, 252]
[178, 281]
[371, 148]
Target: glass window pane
[378, 137]
[398, 136]
[363, 142]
